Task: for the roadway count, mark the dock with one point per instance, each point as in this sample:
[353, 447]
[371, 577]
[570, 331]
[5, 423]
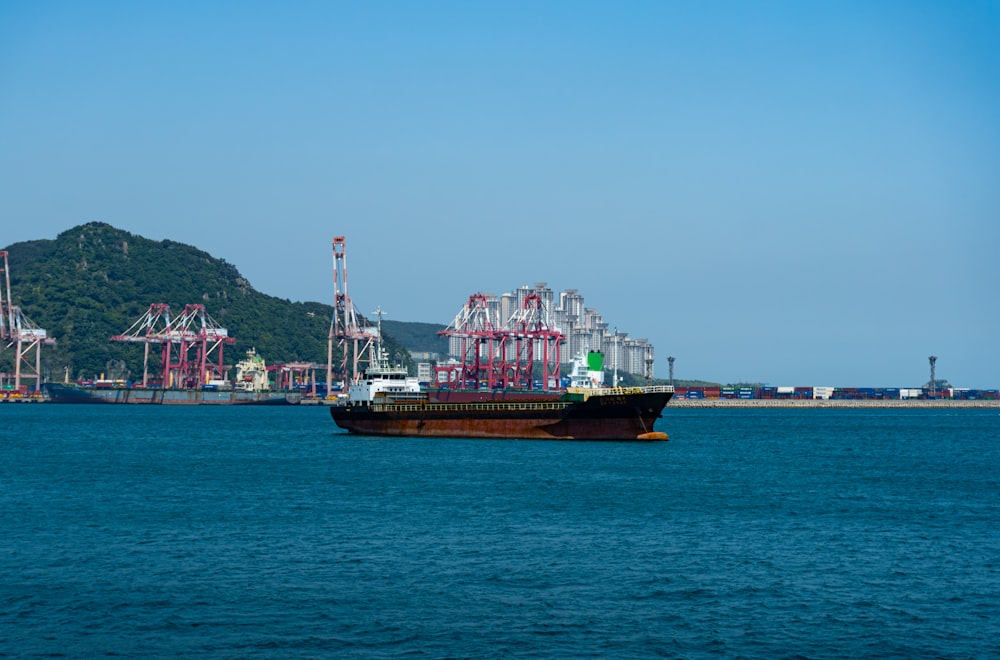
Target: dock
[834, 403]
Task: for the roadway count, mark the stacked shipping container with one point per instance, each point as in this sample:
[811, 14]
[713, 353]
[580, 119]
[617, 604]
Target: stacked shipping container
[849, 393]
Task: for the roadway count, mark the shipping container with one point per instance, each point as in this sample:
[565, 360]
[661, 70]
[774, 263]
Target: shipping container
[822, 392]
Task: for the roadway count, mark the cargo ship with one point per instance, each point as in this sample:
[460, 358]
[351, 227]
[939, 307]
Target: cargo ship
[251, 388]
[385, 401]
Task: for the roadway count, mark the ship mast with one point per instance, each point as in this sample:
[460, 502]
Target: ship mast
[380, 357]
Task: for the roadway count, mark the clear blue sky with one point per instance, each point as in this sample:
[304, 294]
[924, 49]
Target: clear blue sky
[799, 193]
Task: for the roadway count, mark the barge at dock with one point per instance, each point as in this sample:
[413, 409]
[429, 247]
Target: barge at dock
[69, 393]
[251, 388]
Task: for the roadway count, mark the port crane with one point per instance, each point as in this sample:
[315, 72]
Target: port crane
[480, 337]
[191, 345]
[502, 355]
[348, 329]
[19, 332]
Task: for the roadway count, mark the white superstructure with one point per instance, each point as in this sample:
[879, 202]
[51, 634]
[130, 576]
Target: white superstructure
[381, 379]
[587, 371]
[251, 373]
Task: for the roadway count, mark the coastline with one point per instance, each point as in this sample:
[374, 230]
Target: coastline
[680, 402]
[833, 403]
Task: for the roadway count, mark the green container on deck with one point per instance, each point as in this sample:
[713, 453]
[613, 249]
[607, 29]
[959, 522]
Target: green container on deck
[595, 361]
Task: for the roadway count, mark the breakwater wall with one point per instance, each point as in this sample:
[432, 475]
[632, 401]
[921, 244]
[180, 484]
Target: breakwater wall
[833, 403]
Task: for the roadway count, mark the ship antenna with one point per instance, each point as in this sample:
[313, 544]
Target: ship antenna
[378, 314]
[381, 351]
[616, 357]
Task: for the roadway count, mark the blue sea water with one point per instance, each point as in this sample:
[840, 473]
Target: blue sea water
[267, 532]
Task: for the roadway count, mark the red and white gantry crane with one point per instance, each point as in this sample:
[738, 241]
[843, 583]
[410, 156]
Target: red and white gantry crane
[191, 345]
[18, 331]
[501, 355]
[347, 328]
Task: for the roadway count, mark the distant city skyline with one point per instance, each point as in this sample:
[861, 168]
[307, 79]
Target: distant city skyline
[777, 192]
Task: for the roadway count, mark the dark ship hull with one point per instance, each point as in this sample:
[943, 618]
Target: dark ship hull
[61, 393]
[606, 414]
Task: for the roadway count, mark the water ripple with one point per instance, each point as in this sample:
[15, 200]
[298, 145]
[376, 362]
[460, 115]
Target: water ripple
[778, 534]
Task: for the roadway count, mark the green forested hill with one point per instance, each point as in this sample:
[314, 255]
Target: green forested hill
[94, 281]
[417, 336]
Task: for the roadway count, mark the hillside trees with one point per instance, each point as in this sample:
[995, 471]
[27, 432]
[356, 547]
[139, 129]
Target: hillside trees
[93, 281]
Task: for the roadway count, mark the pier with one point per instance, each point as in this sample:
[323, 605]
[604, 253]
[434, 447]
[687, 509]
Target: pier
[834, 403]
